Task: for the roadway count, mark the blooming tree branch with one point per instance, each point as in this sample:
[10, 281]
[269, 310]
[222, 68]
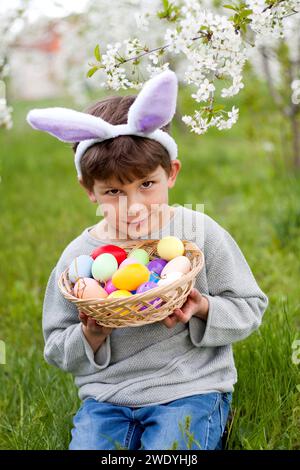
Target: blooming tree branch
[214, 46]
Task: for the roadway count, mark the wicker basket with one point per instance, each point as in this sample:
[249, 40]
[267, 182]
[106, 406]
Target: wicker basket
[137, 309]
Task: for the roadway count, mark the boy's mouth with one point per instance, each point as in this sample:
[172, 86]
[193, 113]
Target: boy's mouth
[136, 223]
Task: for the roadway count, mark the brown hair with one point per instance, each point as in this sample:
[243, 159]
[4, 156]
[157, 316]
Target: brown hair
[125, 157]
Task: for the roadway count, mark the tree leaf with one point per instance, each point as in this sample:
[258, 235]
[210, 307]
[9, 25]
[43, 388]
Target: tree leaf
[97, 53]
[230, 7]
[92, 71]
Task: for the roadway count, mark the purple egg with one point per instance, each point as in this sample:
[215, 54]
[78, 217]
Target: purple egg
[152, 302]
[146, 286]
[143, 288]
[157, 265]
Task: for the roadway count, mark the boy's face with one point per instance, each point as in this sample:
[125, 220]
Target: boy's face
[135, 209]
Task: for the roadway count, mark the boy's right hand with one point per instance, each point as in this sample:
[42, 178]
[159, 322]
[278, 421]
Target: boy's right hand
[94, 333]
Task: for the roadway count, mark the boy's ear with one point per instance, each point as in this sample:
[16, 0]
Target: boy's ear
[175, 169]
[90, 193]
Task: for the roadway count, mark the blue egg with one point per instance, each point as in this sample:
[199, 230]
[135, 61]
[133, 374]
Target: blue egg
[154, 277]
[133, 291]
[81, 266]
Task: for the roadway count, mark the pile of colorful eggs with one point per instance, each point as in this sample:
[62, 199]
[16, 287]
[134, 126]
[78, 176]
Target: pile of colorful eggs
[108, 272]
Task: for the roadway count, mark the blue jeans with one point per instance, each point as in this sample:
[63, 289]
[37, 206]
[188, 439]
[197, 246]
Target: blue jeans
[106, 426]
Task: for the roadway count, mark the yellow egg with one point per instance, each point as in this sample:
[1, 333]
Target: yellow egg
[119, 294]
[130, 276]
[170, 247]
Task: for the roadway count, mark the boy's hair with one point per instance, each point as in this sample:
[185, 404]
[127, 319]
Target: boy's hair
[126, 157]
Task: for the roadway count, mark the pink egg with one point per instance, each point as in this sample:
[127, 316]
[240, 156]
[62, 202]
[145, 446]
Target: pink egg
[128, 261]
[109, 287]
[88, 288]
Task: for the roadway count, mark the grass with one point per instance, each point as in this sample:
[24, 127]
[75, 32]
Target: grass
[252, 193]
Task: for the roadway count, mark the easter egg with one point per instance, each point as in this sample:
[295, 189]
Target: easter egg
[157, 265]
[128, 261]
[146, 286]
[109, 287]
[131, 276]
[170, 278]
[152, 302]
[80, 267]
[180, 264]
[88, 288]
[118, 252]
[104, 266]
[119, 294]
[169, 247]
[154, 277]
[140, 255]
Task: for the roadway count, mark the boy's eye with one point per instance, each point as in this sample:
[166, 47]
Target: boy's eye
[114, 192]
[111, 192]
[148, 184]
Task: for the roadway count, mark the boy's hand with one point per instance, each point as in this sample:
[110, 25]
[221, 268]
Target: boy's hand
[94, 333]
[196, 304]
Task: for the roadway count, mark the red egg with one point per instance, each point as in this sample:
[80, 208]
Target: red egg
[114, 250]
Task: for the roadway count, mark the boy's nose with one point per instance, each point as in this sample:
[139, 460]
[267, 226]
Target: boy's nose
[136, 211]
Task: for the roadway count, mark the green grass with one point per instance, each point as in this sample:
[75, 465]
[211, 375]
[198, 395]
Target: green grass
[253, 194]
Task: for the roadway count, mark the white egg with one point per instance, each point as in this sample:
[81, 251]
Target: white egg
[171, 277]
[179, 264]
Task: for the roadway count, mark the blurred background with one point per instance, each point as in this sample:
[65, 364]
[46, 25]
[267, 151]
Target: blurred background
[247, 178]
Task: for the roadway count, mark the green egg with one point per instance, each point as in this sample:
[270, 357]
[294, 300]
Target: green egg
[140, 255]
[104, 267]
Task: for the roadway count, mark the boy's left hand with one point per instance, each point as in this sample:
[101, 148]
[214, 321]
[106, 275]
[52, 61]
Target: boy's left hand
[196, 304]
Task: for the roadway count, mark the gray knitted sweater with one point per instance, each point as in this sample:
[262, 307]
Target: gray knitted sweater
[153, 364]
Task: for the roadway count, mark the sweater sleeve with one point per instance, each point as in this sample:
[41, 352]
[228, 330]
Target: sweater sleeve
[65, 344]
[236, 303]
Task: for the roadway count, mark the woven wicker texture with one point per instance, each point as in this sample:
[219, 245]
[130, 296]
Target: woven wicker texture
[137, 310]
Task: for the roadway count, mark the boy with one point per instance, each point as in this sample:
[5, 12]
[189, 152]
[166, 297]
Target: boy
[138, 385]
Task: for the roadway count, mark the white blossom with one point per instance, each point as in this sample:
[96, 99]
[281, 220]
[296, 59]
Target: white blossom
[205, 46]
[268, 146]
[295, 91]
[5, 114]
[296, 352]
[199, 125]
[204, 91]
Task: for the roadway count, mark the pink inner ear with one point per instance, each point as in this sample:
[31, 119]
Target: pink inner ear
[61, 130]
[69, 135]
[68, 125]
[155, 105]
[149, 122]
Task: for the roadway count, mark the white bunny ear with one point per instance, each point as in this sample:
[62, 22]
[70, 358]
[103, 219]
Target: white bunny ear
[155, 105]
[69, 125]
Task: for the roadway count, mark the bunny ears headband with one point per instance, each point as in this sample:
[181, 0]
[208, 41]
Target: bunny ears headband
[154, 107]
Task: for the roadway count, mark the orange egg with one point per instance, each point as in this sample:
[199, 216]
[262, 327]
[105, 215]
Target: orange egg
[130, 277]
